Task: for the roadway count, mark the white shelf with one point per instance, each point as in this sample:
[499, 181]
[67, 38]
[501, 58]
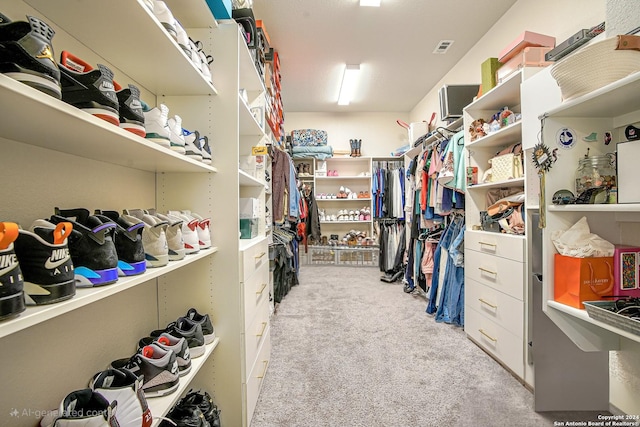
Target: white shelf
[143, 43]
[506, 94]
[192, 13]
[26, 114]
[517, 182]
[160, 406]
[612, 100]
[505, 136]
[345, 222]
[84, 296]
[250, 80]
[343, 200]
[329, 178]
[247, 243]
[248, 124]
[618, 207]
[247, 180]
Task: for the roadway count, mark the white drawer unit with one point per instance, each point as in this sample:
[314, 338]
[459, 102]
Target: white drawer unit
[254, 257]
[504, 275]
[505, 346]
[502, 245]
[256, 290]
[257, 374]
[255, 333]
[501, 308]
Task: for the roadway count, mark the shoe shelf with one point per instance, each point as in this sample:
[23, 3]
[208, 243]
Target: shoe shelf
[346, 222]
[160, 406]
[84, 296]
[192, 13]
[248, 124]
[344, 200]
[143, 43]
[67, 129]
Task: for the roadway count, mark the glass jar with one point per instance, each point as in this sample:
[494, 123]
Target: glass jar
[595, 171]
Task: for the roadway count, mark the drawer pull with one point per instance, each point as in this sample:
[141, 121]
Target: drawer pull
[260, 255]
[264, 326]
[482, 300]
[487, 244]
[264, 285]
[264, 371]
[488, 271]
[487, 335]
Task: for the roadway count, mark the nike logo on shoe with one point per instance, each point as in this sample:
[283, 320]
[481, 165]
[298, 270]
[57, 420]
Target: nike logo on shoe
[7, 263]
[57, 258]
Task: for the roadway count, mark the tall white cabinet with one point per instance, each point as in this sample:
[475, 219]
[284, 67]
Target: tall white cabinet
[56, 155]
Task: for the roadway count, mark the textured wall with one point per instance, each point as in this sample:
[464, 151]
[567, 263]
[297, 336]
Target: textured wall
[622, 16]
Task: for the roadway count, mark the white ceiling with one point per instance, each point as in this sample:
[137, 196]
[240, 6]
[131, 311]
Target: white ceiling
[393, 44]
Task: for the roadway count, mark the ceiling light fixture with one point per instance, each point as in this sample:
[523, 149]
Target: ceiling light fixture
[372, 3]
[349, 81]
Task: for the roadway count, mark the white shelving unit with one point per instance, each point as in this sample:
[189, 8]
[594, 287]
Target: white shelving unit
[58, 156]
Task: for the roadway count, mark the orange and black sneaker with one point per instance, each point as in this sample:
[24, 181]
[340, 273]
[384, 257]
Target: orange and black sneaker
[26, 54]
[11, 283]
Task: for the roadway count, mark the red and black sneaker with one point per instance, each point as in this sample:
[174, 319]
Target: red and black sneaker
[26, 54]
[89, 89]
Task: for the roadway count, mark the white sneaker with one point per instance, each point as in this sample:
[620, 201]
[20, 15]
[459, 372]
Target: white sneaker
[164, 15]
[82, 408]
[189, 232]
[205, 61]
[155, 124]
[206, 150]
[183, 39]
[192, 144]
[124, 387]
[204, 231]
[176, 139]
[154, 237]
[175, 241]
[195, 56]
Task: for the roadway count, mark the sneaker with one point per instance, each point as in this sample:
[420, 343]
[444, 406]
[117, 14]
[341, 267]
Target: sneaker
[176, 139]
[184, 416]
[26, 54]
[187, 329]
[158, 367]
[83, 408]
[206, 150]
[11, 281]
[205, 62]
[189, 232]
[93, 252]
[154, 237]
[128, 241]
[175, 241]
[130, 109]
[91, 90]
[46, 263]
[192, 144]
[205, 323]
[164, 15]
[124, 387]
[203, 229]
[183, 39]
[155, 124]
[178, 345]
[204, 402]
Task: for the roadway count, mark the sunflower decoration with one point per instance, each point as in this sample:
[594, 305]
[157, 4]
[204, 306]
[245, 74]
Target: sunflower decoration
[543, 158]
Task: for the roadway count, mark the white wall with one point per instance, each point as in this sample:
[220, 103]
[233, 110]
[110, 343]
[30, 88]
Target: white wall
[379, 132]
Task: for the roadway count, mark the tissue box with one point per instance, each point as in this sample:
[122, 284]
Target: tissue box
[248, 228]
[249, 208]
[582, 279]
[625, 268]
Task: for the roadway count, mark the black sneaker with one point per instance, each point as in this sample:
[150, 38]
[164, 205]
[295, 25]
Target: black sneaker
[204, 402]
[130, 109]
[128, 241]
[205, 322]
[26, 54]
[47, 267]
[185, 416]
[89, 89]
[158, 367]
[187, 329]
[11, 283]
[91, 245]
[178, 345]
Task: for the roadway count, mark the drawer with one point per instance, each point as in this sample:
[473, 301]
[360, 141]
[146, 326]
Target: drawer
[256, 288]
[495, 340]
[502, 274]
[256, 375]
[255, 332]
[502, 245]
[253, 258]
[503, 309]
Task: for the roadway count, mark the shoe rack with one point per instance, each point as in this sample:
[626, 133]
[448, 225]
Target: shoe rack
[56, 155]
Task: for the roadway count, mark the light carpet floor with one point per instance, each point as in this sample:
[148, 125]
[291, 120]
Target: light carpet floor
[350, 350]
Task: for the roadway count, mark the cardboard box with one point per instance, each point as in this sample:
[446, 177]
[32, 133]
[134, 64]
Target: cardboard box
[489, 69]
[626, 273]
[526, 39]
[582, 279]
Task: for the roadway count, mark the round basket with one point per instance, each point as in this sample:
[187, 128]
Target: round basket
[594, 66]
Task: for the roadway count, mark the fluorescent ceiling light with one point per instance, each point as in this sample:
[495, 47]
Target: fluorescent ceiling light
[349, 81]
[373, 3]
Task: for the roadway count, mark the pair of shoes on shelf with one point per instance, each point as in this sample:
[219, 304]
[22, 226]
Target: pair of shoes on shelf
[196, 409]
[355, 147]
[364, 195]
[332, 173]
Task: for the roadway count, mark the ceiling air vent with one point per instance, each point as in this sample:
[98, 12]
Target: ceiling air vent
[443, 46]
